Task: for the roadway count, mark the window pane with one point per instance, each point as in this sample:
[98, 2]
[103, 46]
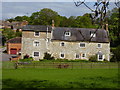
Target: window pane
[62, 44]
[100, 56]
[36, 33]
[82, 44]
[77, 56]
[36, 53]
[99, 45]
[62, 55]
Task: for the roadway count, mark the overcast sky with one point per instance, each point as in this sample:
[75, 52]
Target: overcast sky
[12, 9]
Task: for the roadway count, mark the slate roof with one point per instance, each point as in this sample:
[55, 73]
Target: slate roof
[77, 34]
[40, 28]
[15, 40]
[80, 34]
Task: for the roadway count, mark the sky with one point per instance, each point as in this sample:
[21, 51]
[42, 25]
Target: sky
[13, 8]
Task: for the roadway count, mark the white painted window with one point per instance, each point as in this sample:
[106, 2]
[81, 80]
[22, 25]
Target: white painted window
[92, 34]
[36, 34]
[82, 44]
[62, 55]
[100, 57]
[36, 43]
[99, 45]
[67, 33]
[36, 54]
[77, 56]
[62, 44]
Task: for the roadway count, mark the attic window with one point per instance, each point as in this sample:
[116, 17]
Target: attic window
[67, 33]
[92, 34]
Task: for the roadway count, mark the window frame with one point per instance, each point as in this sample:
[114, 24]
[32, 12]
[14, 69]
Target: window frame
[62, 43]
[35, 34]
[67, 33]
[62, 57]
[34, 54]
[80, 45]
[35, 44]
[100, 45]
[84, 55]
[92, 34]
[76, 55]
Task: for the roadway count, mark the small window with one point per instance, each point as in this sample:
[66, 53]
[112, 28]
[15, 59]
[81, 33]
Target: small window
[36, 34]
[36, 43]
[82, 44]
[92, 34]
[99, 45]
[62, 55]
[77, 56]
[62, 44]
[67, 33]
[83, 55]
[36, 54]
[100, 57]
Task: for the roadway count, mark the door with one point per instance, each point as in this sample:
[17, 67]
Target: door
[13, 51]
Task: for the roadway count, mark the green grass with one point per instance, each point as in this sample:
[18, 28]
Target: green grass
[60, 78]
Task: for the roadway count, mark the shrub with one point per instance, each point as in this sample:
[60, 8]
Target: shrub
[48, 56]
[116, 54]
[93, 58]
[26, 59]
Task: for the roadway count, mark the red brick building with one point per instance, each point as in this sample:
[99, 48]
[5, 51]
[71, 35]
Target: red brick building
[14, 46]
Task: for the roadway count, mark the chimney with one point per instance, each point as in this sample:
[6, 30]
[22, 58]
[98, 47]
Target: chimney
[106, 27]
[53, 23]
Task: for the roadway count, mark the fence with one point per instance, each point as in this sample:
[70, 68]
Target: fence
[67, 65]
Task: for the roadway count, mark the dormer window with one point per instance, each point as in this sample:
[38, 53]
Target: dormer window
[67, 33]
[36, 34]
[92, 34]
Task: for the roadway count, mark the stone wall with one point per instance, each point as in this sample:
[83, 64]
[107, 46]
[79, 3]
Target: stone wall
[70, 49]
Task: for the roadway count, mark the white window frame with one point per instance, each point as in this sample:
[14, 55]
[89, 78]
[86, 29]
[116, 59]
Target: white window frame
[36, 56]
[76, 55]
[35, 34]
[92, 34]
[61, 43]
[62, 57]
[82, 43]
[100, 45]
[103, 56]
[34, 43]
[67, 33]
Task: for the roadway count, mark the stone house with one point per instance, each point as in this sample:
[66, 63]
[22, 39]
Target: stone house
[65, 43]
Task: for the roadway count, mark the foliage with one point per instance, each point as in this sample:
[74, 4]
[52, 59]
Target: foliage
[26, 59]
[48, 56]
[93, 58]
[116, 54]
[9, 34]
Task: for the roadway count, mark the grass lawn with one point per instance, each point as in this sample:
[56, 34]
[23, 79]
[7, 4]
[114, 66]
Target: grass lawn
[60, 78]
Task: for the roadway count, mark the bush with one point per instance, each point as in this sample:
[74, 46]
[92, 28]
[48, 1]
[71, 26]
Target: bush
[26, 60]
[116, 54]
[48, 56]
[93, 58]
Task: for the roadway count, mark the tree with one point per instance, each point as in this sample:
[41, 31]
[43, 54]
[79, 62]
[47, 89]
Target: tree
[45, 17]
